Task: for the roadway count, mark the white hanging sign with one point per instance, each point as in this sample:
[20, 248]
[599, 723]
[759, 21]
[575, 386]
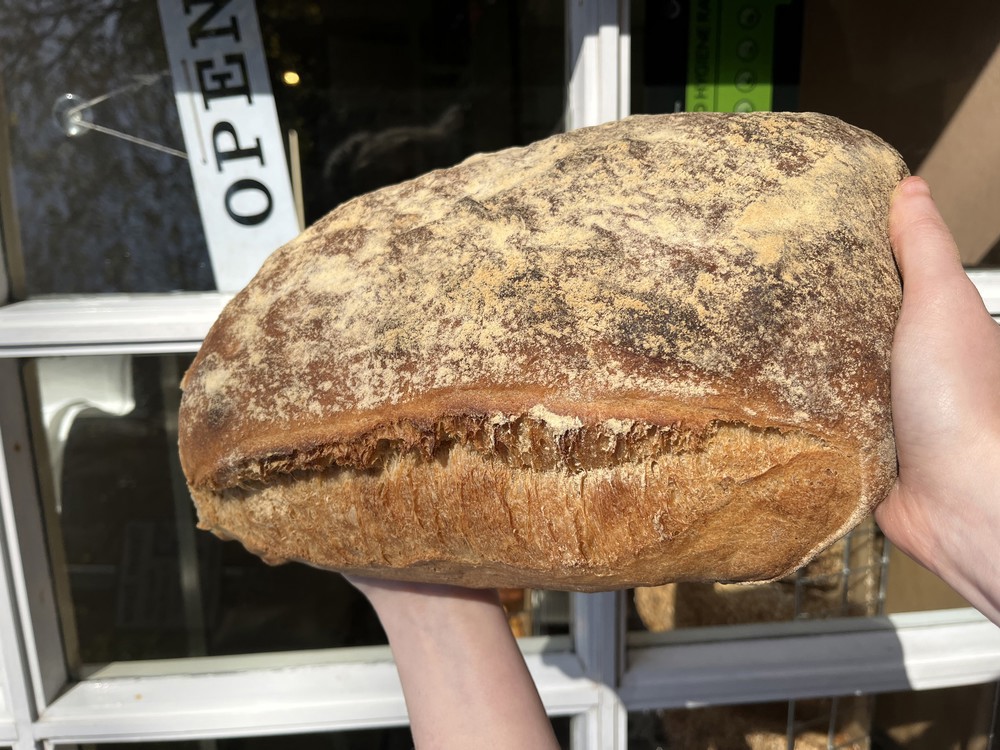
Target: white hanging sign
[231, 132]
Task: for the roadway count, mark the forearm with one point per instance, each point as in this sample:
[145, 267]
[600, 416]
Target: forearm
[465, 682]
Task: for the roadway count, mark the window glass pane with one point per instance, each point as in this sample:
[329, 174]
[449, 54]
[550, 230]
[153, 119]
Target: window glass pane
[912, 588]
[843, 723]
[97, 213]
[843, 581]
[824, 57]
[963, 717]
[143, 581]
[376, 93]
[898, 77]
[388, 91]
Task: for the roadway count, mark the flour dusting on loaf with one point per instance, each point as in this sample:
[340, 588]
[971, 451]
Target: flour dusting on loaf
[651, 350]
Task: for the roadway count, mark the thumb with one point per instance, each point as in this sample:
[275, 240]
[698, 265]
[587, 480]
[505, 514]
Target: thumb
[924, 247]
[927, 255]
[945, 361]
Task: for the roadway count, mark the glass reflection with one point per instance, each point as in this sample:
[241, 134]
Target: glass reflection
[367, 95]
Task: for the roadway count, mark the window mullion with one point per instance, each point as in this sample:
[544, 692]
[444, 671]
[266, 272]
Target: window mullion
[597, 67]
[31, 675]
[787, 661]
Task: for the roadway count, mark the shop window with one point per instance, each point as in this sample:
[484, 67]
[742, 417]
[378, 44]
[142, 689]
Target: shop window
[367, 94]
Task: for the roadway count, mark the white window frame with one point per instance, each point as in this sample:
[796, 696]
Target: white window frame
[597, 675]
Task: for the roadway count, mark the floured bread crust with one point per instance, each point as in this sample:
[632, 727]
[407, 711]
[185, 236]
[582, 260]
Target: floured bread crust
[652, 350]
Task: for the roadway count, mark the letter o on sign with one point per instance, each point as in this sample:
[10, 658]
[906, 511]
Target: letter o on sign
[240, 192]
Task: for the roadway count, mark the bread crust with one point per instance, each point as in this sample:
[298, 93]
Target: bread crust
[648, 351]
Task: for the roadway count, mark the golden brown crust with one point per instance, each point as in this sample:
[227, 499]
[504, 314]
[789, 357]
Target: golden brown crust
[479, 514]
[674, 273]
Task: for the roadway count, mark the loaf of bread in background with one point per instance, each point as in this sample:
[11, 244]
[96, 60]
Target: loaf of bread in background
[653, 350]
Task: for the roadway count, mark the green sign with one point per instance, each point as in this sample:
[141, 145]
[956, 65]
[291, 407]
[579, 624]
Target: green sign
[731, 55]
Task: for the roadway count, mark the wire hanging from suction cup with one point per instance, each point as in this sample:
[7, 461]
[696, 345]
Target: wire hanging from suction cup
[74, 115]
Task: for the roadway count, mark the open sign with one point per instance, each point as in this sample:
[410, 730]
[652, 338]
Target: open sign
[230, 126]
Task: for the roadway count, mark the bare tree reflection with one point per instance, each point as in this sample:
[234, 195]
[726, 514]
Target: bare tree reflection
[97, 214]
[388, 90]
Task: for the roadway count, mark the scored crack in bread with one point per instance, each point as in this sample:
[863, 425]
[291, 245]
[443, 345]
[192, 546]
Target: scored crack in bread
[648, 351]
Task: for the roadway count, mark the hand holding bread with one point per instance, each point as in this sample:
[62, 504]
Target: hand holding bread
[944, 509]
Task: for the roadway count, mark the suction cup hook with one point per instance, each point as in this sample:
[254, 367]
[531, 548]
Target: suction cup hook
[72, 115]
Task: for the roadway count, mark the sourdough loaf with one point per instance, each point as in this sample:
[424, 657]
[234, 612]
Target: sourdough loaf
[653, 350]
